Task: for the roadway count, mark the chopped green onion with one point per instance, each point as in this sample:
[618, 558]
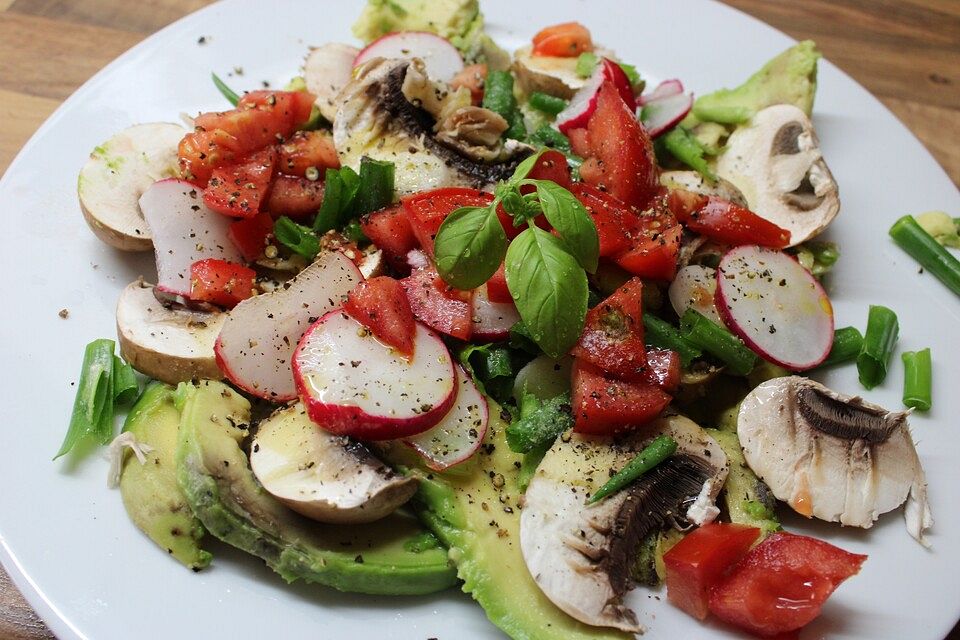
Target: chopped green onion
[354, 232]
[125, 385]
[685, 148]
[917, 379]
[847, 343]
[924, 248]
[296, 237]
[661, 334]
[653, 454]
[547, 103]
[232, 96]
[376, 185]
[882, 333]
[93, 406]
[586, 63]
[339, 191]
[718, 342]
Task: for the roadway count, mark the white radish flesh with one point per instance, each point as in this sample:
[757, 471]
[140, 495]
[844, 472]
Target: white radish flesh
[326, 71]
[694, 287]
[355, 385]
[776, 306]
[184, 230]
[255, 346]
[459, 434]
[442, 59]
[665, 89]
[662, 114]
[491, 320]
[582, 104]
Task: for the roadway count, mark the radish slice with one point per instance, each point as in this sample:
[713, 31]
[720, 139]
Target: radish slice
[355, 385]
[184, 230]
[665, 89]
[776, 306]
[459, 434]
[442, 59]
[662, 114]
[492, 320]
[584, 101]
[694, 287]
[256, 344]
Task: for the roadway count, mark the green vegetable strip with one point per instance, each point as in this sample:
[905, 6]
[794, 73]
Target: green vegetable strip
[917, 379]
[882, 333]
[299, 239]
[660, 333]
[547, 103]
[376, 185]
[586, 63]
[539, 423]
[685, 148]
[547, 136]
[498, 93]
[93, 405]
[228, 93]
[923, 248]
[354, 232]
[125, 386]
[328, 217]
[847, 343]
[718, 342]
[656, 452]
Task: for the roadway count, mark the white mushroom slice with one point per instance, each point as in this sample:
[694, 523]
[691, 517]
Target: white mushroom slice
[695, 182]
[775, 161]
[372, 265]
[581, 555]
[834, 457]
[169, 344]
[548, 74]
[322, 476]
[117, 174]
[326, 71]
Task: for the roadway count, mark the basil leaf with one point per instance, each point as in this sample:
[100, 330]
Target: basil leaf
[569, 217]
[523, 170]
[469, 247]
[549, 288]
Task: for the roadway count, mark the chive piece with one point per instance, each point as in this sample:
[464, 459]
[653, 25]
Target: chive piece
[298, 238]
[923, 248]
[685, 148]
[847, 343]
[656, 452]
[878, 341]
[660, 333]
[547, 103]
[93, 405]
[917, 379]
[718, 342]
[125, 385]
[376, 185]
[232, 96]
[586, 63]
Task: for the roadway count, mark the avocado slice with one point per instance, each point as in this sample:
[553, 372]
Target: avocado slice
[382, 557]
[150, 492]
[476, 513]
[746, 497]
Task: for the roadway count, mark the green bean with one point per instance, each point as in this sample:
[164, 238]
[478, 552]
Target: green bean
[878, 341]
[93, 406]
[547, 136]
[660, 333]
[718, 342]
[847, 343]
[917, 379]
[226, 91]
[653, 454]
[923, 248]
[685, 148]
[547, 103]
[498, 93]
[376, 185]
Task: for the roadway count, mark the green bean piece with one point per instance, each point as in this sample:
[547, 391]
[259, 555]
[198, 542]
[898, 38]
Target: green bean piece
[685, 148]
[376, 185]
[547, 103]
[125, 385]
[232, 96]
[718, 342]
[660, 333]
[498, 93]
[93, 406]
[586, 63]
[882, 333]
[923, 248]
[653, 454]
[917, 379]
[298, 238]
[847, 343]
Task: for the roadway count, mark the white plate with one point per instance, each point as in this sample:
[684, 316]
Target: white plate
[66, 539]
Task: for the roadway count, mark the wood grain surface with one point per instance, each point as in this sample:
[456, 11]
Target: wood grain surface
[906, 52]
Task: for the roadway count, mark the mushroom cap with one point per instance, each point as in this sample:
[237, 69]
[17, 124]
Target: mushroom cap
[116, 175]
[326, 71]
[775, 161]
[169, 344]
[548, 74]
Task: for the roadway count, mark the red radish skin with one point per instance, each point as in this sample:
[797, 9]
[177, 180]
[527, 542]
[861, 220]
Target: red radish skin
[662, 114]
[354, 385]
[491, 320]
[459, 434]
[665, 89]
[584, 102]
[442, 60]
[775, 306]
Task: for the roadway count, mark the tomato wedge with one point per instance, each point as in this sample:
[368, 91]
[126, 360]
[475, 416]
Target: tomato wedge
[611, 217]
[700, 560]
[578, 142]
[565, 40]
[306, 149]
[428, 209]
[390, 230]
[782, 583]
[473, 77]
[292, 108]
[294, 197]
[250, 235]
[612, 338]
[551, 165]
[497, 289]
[381, 305]
[654, 246]
[725, 221]
[663, 369]
[220, 282]
[239, 190]
[606, 406]
[437, 305]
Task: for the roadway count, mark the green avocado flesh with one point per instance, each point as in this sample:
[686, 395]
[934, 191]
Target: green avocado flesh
[378, 558]
[475, 512]
[747, 499]
[150, 492]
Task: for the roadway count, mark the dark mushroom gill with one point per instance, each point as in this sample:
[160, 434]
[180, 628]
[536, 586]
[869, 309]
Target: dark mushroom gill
[848, 420]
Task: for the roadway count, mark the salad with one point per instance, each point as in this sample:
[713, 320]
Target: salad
[440, 315]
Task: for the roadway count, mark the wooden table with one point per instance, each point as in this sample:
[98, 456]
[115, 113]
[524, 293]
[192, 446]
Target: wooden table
[907, 52]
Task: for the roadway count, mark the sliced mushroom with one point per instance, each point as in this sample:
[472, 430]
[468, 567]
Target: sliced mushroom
[695, 182]
[117, 174]
[834, 457]
[580, 555]
[326, 71]
[549, 74]
[776, 162]
[167, 343]
[322, 476]
[377, 119]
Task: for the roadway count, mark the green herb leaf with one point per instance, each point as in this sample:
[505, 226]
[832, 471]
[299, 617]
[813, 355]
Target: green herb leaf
[469, 246]
[493, 368]
[570, 218]
[549, 288]
[299, 239]
[228, 93]
[519, 174]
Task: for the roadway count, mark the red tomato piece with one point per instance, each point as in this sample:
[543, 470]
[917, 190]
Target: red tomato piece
[250, 235]
[381, 305]
[437, 305]
[782, 583]
[725, 221]
[551, 165]
[220, 282]
[294, 107]
[294, 197]
[239, 190]
[621, 160]
[663, 369]
[612, 218]
[612, 338]
[390, 230]
[699, 562]
[473, 77]
[307, 149]
[566, 40]
[428, 209]
[578, 142]
[497, 289]
[202, 151]
[654, 246]
[605, 406]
